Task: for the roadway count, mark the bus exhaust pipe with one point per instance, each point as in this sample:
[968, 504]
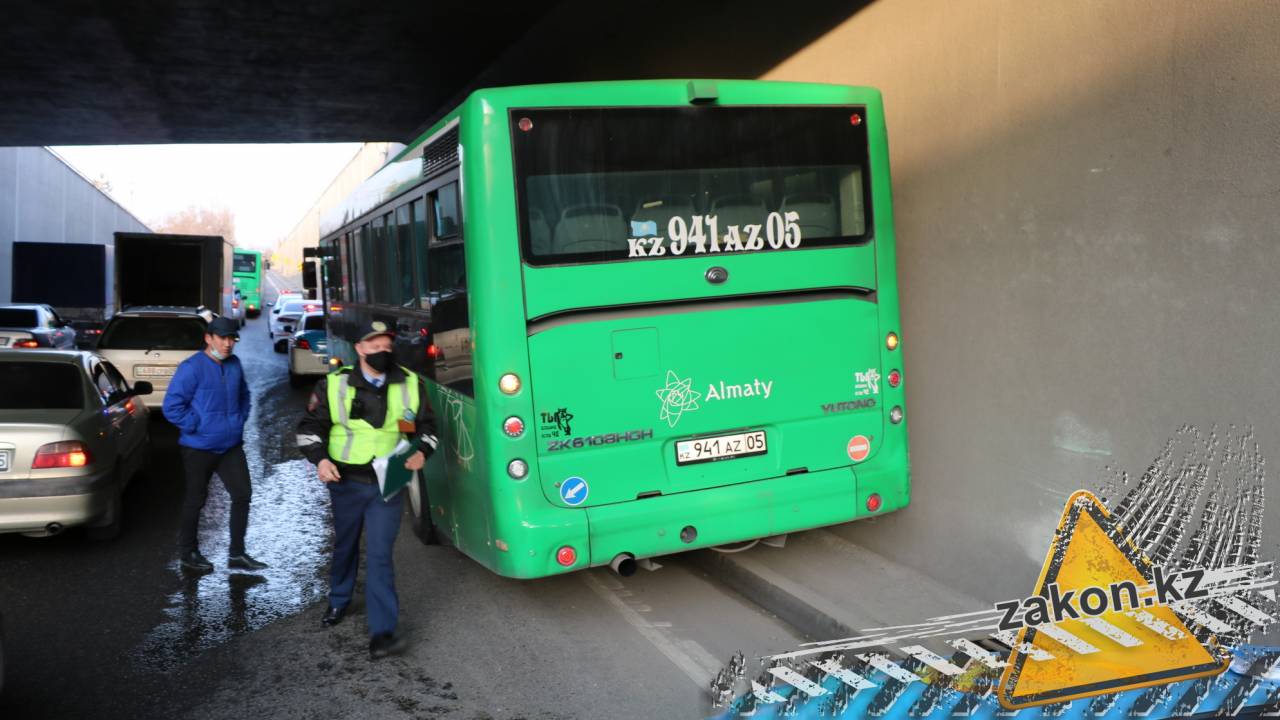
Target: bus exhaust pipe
[53, 528]
[624, 564]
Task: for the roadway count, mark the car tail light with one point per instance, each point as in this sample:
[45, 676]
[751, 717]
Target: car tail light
[235, 303]
[895, 378]
[513, 427]
[302, 343]
[874, 502]
[433, 352]
[309, 308]
[61, 454]
[130, 406]
[28, 343]
[566, 556]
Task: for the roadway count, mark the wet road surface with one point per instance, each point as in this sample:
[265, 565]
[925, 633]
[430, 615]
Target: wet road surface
[86, 620]
[117, 630]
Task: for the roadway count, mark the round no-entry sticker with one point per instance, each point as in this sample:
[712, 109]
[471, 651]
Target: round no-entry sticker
[859, 448]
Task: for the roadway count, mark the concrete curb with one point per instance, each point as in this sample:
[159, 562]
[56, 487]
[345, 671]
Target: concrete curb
[797, 606]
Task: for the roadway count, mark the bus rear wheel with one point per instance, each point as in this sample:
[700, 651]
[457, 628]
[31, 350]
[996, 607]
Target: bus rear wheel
[420, 511]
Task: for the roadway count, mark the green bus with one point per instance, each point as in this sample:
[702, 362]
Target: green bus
[246, 274]
[654, 316]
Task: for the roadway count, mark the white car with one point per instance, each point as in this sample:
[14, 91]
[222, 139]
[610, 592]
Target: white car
[280, 326]
[149, 344]
[308, 349]
[72, 435]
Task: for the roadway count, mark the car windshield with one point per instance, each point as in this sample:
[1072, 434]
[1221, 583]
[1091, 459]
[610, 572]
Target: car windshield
[153, 333]
[32, 385]
[18, 318]
[294, 307]
[313, 322]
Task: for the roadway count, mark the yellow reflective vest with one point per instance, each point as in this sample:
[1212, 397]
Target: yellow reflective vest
[356, 442]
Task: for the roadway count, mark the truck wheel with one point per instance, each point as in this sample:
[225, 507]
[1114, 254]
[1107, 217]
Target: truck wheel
[109, 526]
[420, 511]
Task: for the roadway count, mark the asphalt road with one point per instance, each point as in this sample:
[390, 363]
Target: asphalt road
[116, 630]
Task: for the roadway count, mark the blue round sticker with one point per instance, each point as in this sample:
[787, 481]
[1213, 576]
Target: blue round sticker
[574, 491]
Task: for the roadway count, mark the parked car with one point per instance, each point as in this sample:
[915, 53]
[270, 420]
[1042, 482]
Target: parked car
[149, 343]
[308, 349]
[280, 327]
[72, 435]
[34, 326]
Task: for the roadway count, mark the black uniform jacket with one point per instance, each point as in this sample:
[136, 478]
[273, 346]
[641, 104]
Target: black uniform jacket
[370, 404]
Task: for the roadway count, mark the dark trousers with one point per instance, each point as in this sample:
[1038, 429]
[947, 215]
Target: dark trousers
[200, 465]
[356, 506]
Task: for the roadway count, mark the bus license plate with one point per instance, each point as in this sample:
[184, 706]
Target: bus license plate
[722, 447]
[4, 460]
[153, 370]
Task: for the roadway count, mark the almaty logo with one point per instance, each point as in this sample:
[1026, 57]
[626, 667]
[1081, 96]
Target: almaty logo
[677, 397]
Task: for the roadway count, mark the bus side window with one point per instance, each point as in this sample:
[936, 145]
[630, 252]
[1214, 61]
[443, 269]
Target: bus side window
[418, 227]
[447, 293]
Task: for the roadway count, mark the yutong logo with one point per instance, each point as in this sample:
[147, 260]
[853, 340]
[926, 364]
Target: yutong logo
[679, 397]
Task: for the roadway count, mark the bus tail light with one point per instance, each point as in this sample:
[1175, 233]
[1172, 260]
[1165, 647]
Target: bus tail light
[566, 556]
[895, 378]
[61, 454]
[891, 341]
[513, 426]
[518, 469]
[895, 415]
[874, 502]
[509, 383]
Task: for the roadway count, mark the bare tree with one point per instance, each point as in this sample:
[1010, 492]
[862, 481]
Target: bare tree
[196, 220]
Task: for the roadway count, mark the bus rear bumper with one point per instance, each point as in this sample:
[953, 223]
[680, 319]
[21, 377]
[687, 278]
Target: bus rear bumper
[733, 513]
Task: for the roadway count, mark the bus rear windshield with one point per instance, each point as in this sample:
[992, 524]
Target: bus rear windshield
[634, 184]
[244, 264]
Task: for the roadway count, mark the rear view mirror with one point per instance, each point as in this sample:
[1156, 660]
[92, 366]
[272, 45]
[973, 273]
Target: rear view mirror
[269, 304]
[142, 387]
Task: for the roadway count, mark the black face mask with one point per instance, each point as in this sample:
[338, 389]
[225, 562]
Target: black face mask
[379, 361]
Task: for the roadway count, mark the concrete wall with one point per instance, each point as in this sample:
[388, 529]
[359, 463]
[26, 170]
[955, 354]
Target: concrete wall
[43, 199]
[287, 254]
[1088, 214]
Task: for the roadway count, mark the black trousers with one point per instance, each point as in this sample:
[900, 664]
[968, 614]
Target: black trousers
[200, 465]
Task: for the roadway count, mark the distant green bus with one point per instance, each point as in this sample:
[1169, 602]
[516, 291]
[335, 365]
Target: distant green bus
[246, 274]
[654, 316]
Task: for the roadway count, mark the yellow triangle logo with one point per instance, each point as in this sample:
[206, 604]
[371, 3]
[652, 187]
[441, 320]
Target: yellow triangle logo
[1111, 652]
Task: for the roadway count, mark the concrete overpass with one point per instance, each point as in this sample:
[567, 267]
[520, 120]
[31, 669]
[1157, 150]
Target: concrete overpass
[1086, 194]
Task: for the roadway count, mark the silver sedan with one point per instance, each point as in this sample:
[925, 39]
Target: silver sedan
[72, 435]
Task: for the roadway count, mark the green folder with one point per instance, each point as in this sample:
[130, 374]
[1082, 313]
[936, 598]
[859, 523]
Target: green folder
[393, 477]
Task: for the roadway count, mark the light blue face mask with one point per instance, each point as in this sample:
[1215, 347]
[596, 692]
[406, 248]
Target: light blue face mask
[216, 355]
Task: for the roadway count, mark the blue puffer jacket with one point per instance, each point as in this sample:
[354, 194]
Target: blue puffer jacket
[209, 402]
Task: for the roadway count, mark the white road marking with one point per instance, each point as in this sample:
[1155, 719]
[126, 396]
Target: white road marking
[1066, 638]
[889, 667]
[843, 674]
[1010, 638]
[802, 683]
[699, 672]
[1245, 610]
[1156, 625]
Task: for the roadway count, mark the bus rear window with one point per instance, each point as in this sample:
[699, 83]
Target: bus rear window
[244, 263]
[597, 185]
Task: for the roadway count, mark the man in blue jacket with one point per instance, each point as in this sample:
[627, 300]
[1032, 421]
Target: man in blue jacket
[208, 400]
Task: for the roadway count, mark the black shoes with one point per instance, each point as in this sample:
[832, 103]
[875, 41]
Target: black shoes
[385, 644]
[244, 562]
[333, 616]
[195, 561]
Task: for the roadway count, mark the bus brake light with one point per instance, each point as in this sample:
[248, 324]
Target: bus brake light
[513, 427]
[509, 383]
[895, 378]
[566, 556]
[874, 502]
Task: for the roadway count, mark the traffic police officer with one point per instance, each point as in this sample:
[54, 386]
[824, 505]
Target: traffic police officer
[355, 415]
